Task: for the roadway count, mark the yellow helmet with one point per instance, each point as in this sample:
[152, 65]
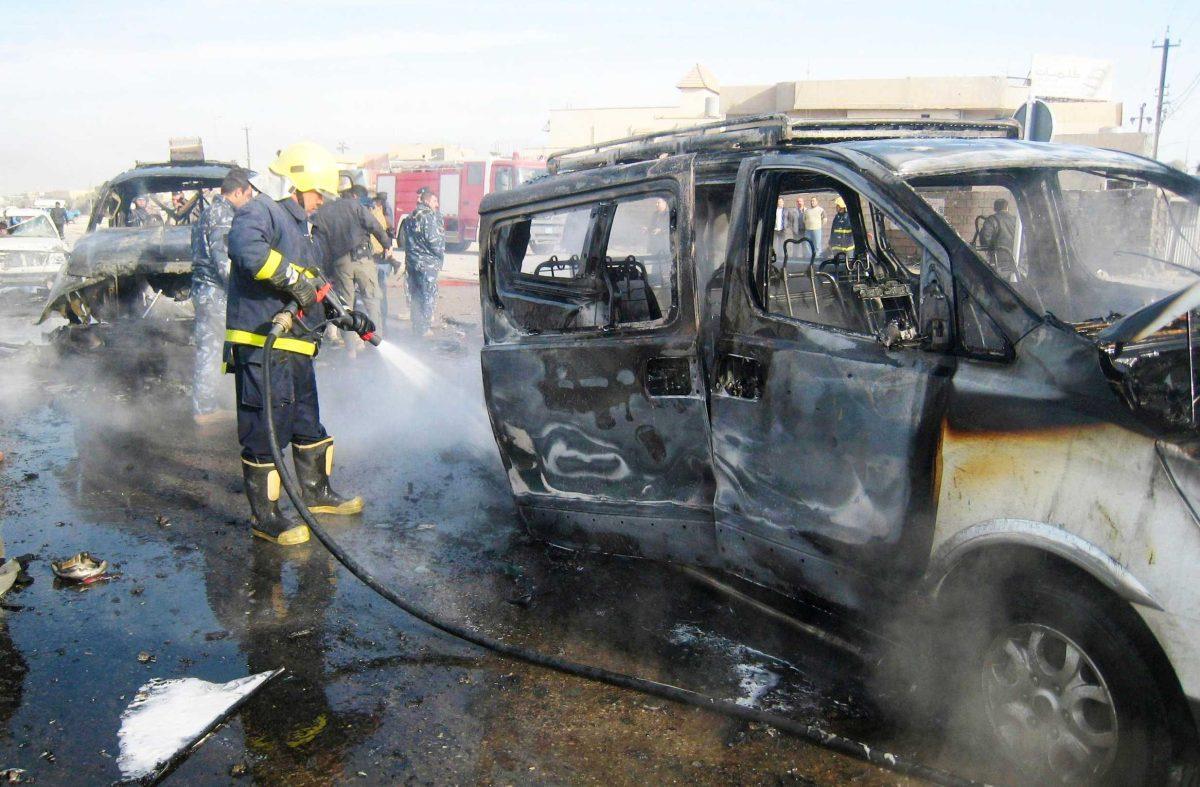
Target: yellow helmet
[308, 166]
[839, 203]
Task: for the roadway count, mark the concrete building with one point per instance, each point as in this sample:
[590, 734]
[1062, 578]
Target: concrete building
[699, 101]
[1077, 90]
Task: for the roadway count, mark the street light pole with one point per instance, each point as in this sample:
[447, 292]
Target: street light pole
[246, 129]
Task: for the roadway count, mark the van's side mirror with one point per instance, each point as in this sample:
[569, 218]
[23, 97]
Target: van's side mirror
[935, 317]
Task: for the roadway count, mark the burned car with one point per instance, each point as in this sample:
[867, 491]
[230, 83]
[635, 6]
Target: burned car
[929, 405]
[137, 246]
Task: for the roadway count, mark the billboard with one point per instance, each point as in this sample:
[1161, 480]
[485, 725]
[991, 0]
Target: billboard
[1061, 76]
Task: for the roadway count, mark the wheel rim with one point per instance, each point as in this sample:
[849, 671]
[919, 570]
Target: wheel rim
[1048, 705]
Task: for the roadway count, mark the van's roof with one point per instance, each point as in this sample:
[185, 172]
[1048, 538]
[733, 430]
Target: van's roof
[768, 132]
[910, 158]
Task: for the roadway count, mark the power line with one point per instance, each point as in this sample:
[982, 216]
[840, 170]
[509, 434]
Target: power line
[1177, 104]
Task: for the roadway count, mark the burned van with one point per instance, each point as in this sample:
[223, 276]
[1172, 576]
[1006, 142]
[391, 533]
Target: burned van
[886, 365]
[138, 245]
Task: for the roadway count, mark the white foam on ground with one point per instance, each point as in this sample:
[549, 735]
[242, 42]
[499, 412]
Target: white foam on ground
[758, 673]
[168, 716]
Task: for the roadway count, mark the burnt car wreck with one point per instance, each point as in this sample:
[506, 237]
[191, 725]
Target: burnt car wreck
[971, 389]
[137, 247]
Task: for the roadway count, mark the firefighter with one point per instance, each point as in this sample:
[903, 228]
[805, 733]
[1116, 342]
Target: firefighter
[424, 255]
[841, 233]
[273, 259]
[210, 275]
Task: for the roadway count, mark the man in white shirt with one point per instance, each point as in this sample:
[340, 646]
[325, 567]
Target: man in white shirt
[814, 224]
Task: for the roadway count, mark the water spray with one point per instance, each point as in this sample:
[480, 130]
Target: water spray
[807, 732]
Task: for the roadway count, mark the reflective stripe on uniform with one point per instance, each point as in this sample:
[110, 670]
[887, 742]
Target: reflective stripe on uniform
[270, 266]
[282, 343]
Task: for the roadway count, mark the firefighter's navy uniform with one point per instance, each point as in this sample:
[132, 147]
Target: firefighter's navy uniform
[273, 259]
[270, 239]
[841, 232]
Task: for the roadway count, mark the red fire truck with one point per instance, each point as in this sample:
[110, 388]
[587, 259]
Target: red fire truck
[460, 185]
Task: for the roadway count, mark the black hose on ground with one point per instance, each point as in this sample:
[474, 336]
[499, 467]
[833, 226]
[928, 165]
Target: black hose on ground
[806, 732]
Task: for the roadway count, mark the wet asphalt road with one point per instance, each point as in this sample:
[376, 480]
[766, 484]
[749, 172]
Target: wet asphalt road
[101, 455]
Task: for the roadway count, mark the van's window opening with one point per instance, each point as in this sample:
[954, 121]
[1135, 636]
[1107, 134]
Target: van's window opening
[507, 177]
[589, 267]
[831, 258]
[1085, 246]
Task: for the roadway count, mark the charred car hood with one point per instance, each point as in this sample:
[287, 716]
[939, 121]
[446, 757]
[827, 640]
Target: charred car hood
[123, 251]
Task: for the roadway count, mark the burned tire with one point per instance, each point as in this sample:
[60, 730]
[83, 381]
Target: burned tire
[1059, 678]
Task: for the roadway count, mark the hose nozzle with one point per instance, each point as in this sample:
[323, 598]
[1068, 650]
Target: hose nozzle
[281, 323]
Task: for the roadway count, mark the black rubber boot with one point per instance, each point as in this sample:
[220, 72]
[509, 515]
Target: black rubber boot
[314, 464]
[262, 489]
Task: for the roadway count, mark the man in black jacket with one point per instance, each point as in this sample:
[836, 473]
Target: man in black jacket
[344, 228]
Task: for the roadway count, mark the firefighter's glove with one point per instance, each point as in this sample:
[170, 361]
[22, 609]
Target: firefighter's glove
[358, 323]
[291, 279]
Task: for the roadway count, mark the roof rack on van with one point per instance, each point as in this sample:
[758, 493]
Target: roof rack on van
[767, 131]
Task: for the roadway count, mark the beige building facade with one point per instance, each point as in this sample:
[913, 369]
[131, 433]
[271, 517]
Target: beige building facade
[1083, 112]
[699, 102]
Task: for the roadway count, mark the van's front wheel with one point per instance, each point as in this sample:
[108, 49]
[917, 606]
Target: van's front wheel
[1065, 687]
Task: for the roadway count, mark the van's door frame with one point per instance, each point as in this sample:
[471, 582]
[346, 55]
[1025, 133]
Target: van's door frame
[601, 448]
[825, 442]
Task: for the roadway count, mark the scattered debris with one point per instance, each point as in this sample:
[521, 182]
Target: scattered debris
[169, 718]
[146, 657]
[9, 570]
[82, 568]
[300, 633]
[48, 756]
[213, 636]
[31, 476]
[162, 521]
[13, 775]
[238, 770]
[522, 600]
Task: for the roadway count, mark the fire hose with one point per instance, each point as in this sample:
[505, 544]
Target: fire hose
[806, 732]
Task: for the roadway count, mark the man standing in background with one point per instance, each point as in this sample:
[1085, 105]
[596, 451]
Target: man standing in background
[210, 279]
[58, 215]
[344, 228]
[424, 255]
[139, 216]
[998, 236]
[384, 265]
[814, 225]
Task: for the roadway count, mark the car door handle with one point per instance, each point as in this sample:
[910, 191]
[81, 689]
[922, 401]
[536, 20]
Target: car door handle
[740, 376]
[669, 376]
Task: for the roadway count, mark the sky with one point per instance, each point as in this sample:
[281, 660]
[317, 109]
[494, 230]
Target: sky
[91, 87]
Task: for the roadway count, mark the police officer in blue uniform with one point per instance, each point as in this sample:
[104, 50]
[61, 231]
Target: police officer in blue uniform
[274, 263]
[424, 255]
[210, 276]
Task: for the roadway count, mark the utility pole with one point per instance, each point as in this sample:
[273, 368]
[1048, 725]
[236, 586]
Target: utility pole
[1165, 46]
[1141, 117]
[342, 147]
[247, 130]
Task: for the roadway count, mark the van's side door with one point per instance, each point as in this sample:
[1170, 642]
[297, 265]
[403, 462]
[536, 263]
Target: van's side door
[827, 400]
[590, 361]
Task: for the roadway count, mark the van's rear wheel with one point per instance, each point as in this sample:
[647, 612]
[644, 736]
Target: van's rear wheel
[1064, 686]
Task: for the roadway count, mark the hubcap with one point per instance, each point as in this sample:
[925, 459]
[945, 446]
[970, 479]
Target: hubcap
[1048, 704]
